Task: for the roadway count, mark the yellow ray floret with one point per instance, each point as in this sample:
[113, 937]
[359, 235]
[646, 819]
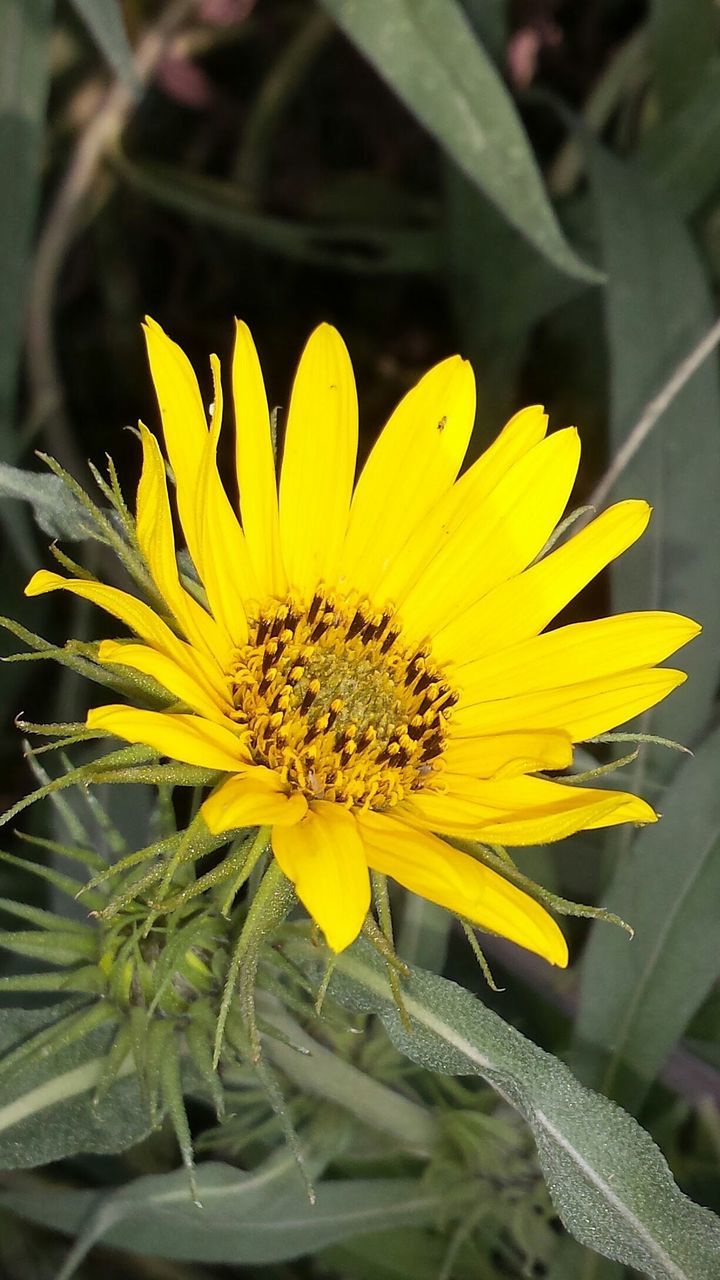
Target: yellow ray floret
[369, 673]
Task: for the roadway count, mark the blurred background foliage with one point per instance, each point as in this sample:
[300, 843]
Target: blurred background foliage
[535, 183]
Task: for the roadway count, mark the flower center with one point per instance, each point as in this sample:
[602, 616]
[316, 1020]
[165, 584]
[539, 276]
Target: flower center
[332, 699]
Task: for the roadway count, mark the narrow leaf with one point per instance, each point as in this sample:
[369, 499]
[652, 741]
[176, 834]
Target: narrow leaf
[637, 997]
[24, 41]
[55, 509]
[681, 152]
[104, 21]
[609, 1182]
[355, 247]
[246, 1218]
[682, 39]
[428, 54]
[46, 1108]
[658, 305]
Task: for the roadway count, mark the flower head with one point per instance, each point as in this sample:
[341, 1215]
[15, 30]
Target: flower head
[368, 663]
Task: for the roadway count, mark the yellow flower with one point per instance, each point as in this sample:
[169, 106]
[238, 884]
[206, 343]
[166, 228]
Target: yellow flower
[369, 669]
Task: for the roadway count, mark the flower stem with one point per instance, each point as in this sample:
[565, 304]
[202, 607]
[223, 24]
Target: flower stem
[317, 1070]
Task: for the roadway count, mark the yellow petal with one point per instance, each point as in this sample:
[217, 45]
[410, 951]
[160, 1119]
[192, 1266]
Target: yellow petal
[524, 430]
[516, 439]
[227, 573]
[582, 710]
[318, 462]
[497, 539]
[167, 672]
[414, 462]
[157, 544]
[255, 463]
[184, 424]
[140, 618]
[520, 811]
[524, 605]
[504, 755]
[572, 654]
[429, 867]
[323, 855]
[255, 798]
[189, 739]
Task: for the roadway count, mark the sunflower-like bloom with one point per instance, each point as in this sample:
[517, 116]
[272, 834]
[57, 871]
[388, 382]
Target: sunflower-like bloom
[370, 669]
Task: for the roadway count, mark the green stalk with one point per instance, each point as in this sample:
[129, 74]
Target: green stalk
[319, 1071]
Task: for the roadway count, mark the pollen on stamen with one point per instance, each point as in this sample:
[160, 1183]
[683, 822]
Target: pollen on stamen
[332, 699]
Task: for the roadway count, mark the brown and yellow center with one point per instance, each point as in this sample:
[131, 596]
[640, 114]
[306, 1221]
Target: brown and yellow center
[332, 699]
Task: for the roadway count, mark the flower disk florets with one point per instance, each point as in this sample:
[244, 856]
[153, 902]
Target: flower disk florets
[331, 698]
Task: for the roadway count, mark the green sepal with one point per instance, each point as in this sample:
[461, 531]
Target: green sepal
[236, 859]
[479, 954]
[600, 770]
[137, 1020]
[73, 740]
[269, 908]
[114, 495]
[158, 1040]
[500, 860]
[102, 770]
[155, 850]
[86, 980]
[181, 964]
[396, 968]
[199, 1038]
[88, 858]
[281, 1109]
[642, 737]
[157, 775]
[41, 648]
[72, 566]
[106, 533]
[137, 685]
[56, 730]
[81, 657]
[58, 947]
[133, 889]
[120, 1049]
[171, 1089]
[39, 916]
[67, 1030]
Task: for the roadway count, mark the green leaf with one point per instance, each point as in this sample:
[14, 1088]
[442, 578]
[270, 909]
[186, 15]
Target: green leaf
[55, 509]
[496, 322]
[259, 1217]
[489, 18]
[24, 40]
[429, 56]
[658, 305]
[572, 1262]
[56, 947]
[681, 152]
[342, 246]
[637, 997]
[104, 21]
[392, 1255]
[46, 1108]
[682, 38]
[609, 1182]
